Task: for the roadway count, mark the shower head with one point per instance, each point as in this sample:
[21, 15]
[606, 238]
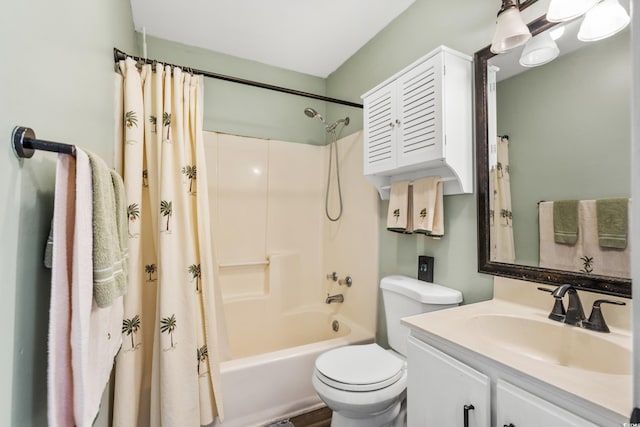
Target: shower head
[310, 112]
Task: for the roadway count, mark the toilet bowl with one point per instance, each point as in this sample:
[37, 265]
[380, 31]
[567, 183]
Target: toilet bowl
[365, 385]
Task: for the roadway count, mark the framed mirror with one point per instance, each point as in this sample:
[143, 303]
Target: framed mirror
[569, 138]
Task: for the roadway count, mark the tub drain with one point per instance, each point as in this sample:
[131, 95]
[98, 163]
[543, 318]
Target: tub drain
[335, 325]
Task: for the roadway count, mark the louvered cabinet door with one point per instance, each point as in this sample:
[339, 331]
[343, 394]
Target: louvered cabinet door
[420, 137]
[380, 128]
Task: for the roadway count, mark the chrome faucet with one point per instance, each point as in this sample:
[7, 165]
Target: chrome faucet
[575, 313]
[334, 298]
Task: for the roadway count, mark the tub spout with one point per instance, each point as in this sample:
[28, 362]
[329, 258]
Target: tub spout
[334, 298]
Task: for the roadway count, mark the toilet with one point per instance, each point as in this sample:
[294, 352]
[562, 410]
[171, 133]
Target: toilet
[365, 385]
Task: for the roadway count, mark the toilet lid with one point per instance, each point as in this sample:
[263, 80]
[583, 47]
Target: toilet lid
[359, 368]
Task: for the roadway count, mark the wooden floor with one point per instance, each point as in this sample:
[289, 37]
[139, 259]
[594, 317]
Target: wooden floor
[317, 418]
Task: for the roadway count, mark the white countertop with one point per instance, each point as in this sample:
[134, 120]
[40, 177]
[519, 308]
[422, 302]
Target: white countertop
[456, 325]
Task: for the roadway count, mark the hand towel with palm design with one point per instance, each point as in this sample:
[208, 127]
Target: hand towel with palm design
[428, 215]
[399, 213]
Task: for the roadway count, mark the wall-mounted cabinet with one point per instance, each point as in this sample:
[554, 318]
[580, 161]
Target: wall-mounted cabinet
[418, 123]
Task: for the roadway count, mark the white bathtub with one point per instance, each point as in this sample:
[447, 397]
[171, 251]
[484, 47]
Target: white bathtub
[272, 379]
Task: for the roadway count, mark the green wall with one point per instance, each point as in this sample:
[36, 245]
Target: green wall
[57, 78]
[463, 25]
[569, 124]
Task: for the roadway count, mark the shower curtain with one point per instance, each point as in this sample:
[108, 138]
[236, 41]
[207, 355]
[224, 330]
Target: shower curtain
[167, 371]
[501, 216]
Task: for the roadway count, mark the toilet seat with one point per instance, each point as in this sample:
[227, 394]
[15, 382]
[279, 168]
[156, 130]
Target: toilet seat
[359, 368]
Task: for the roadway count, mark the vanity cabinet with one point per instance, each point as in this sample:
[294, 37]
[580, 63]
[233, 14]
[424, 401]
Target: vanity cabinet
[518, 408]
[419, 123]
[441, 391]
[440, 387]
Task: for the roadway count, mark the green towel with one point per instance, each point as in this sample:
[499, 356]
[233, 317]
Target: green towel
[565, 221]
[612, 216]
[109, 238]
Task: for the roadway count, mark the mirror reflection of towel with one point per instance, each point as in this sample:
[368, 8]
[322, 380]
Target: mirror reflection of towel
[399, 213]
[428, 215]
[565, 221]
[612, 222]
[586, 255]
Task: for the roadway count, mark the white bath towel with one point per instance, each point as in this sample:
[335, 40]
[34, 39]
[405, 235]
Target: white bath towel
[59, 379]
[399, 214]
[428, 206]
[95, 331]
[586, 255]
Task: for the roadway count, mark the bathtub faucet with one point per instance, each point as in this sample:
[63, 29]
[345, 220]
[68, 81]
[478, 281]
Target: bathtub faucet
[334, 298]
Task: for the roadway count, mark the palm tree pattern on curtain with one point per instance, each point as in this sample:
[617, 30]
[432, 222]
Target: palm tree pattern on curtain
[169, 221]
[190, 172]
[194, 271]
[150, 269]
[168, 325]
[133, 212]
[130, 327]
[166, 209]
[202, 355]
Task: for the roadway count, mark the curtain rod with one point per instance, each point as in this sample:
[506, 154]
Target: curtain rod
[25, 143]
[119, 55]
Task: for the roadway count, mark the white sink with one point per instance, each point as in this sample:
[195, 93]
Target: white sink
[553, 342]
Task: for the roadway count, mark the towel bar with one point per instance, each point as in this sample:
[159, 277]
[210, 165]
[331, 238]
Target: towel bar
[450, 178]
[24, 144]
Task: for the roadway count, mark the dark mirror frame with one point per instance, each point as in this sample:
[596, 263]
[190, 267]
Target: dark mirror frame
[588, 282]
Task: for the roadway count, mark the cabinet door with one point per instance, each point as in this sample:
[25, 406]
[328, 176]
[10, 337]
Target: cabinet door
[440, 387]
[380, 130]
[518, 408]
[420, 134]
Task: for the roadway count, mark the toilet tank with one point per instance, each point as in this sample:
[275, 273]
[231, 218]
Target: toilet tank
[405, 296]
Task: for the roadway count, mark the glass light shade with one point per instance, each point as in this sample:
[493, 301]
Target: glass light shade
[539, 50]
[557, 32]
[604, 20]
[566, 10]
[511, 31]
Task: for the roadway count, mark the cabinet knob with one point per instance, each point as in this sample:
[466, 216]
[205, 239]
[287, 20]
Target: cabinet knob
[467, 408]
[398, 122]
[391, 125]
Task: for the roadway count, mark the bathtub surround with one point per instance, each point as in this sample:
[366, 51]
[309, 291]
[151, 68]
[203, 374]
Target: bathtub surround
[275, 245]
[167, 372]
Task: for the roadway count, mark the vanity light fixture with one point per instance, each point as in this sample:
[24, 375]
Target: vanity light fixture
[511, 31]
[539, 50]
[603, 20]
[566, 10]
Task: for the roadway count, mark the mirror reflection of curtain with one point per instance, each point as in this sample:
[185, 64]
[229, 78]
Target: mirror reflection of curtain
[501, 216]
